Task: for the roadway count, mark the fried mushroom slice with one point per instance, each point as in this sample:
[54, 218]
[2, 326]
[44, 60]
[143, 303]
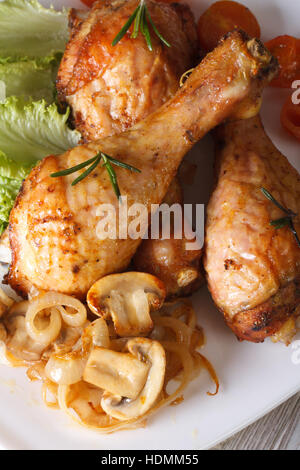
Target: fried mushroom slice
[118, 373]
[153, 354]
[128, 299]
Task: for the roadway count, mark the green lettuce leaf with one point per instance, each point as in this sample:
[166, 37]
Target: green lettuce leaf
[30, 79]
[9, 188]
[27, 29]
[29, 131]
[12, 170]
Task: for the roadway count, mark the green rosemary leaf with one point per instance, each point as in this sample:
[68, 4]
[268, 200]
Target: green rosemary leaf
[292, 227]
[87, 172]
[284, 221]
[272, 199]
[280, 223]
[146, 32]
[137, 21]
[112, 175]
[122, 165]
[93, 162]
[142, 25]
[126, 27]
[68, 171]
[140, 17]
[155, 28]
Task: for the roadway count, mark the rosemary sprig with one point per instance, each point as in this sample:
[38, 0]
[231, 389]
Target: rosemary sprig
[112, 175]
[94, 162]
[141, 17]
[286, 221]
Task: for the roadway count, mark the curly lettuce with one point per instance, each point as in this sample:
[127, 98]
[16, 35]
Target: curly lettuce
[32, 40]
[30, 79]
[29, 131]
[9, 188]
[28, 30]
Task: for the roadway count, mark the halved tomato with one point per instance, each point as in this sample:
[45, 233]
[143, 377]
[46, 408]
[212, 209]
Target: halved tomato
[290, 117]
[287, 50]
[222, 17]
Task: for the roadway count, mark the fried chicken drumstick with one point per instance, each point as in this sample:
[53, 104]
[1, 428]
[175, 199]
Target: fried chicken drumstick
[112, 88]
[180, 269]
[253, 269]
[53, 224]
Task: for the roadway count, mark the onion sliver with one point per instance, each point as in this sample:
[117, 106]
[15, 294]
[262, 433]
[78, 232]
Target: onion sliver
[55, 299]
[56, 302]
[65, 370]
[46, 335]
[73, 319]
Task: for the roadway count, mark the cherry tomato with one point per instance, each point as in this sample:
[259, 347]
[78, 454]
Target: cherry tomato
[287, 50]
[223, 17]
[290, 117]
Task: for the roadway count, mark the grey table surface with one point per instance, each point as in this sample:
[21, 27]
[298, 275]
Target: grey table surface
[278, 430]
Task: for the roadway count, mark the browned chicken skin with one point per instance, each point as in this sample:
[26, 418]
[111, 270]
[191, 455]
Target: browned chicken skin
[253, 269]
[53, 224]
[168, 259]
[110, 88]
[130, 83]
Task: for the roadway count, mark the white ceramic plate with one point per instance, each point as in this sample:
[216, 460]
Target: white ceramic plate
[254, 378]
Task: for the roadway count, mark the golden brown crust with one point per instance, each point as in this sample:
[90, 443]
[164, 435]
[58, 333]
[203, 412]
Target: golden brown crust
[54, 225]
[267, 319]
[180, 269]
[154, 77]
[252, 268]
[110, 88]
[172, 263]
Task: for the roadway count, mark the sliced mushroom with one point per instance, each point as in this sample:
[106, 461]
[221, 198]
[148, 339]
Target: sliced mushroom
[152, 353]
[66, 367]
[128, 299]
[119, 373]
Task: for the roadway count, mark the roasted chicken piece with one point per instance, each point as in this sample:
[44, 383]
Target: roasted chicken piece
[169, 259]
[53, 225]
[110, 88]
[253, 269]
[124, 84]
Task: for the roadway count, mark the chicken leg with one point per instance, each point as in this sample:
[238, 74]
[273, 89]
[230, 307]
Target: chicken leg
[53, 224]
[110, 88]
[253, 269]
[180, 269]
